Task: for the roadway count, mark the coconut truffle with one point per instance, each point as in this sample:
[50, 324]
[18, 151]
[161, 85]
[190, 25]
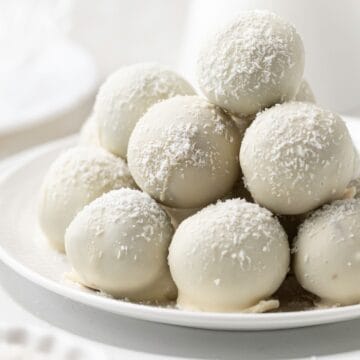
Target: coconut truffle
[184, 152]
[305, 93]
[75, 178]
[89, 133]
[327, 253]
[255, 61]
[119, 244]
[228, 257]
[297, 156]
[125, 97]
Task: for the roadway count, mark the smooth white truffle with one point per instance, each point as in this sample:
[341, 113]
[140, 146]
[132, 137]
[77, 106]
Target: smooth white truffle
[184, 152]
[89, 133]
[255, 61]
[126, 95]
[228, 257]
[327, 253]
[305, 93]
[75, 178]
[119, 244]
[297, 156]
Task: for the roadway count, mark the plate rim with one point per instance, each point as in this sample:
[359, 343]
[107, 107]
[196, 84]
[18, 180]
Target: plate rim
[206, 320]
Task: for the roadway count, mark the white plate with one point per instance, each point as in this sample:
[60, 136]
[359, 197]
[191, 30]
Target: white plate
[23, 248]
[31, 343]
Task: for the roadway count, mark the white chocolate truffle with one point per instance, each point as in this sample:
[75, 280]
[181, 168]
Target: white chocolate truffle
[228, 257]
[305, 93]
[89, 133]
[125, 97]
[295, 157]
[77, 177]
[255, 61]
[183, 152]
[327, 253]
[119, 244]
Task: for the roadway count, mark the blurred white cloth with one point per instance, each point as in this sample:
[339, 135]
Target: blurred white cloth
[121, 32]
[47, 82]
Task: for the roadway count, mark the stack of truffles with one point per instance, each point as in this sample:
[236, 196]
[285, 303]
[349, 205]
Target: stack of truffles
[201, 198]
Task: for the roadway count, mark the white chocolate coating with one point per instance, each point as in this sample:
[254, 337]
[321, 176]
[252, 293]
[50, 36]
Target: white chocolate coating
[119, 244]
[255, 61]
[297, 156]
[305, 93]
[77, 176]
[327, 253]
[183, 152]
[126, 95]
[228, 257]
[89, 133]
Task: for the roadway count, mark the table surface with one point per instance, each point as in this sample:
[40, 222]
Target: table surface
[21, 301]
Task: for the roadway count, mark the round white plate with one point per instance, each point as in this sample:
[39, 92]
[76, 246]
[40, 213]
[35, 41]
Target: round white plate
[23, 248]
[32, 343]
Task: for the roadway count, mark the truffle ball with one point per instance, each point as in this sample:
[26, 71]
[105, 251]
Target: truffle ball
[119, 244]
[125, 97]
[255, 61]
[184, 152]
[297, 156]
[305, 93]
[77, 177]
[89, 133]
[327, 253]
[228, 257]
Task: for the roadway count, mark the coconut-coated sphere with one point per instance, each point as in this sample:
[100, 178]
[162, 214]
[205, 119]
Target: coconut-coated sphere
[228, 257]
[327, 253]
[297, 156]
[89, 133]
[255, 61]
[77, 177]
[183, 152]
[126, 95]
[119, 244]
[305, 93]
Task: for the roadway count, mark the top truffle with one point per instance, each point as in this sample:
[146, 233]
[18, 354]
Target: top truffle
[255, 61]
